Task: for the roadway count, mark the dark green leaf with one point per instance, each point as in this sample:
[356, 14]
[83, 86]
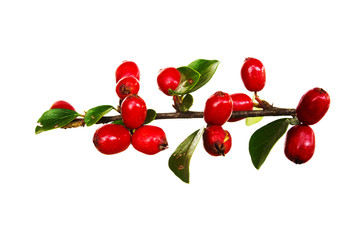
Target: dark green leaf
[55, 118]
[187, 103]
[93, 115]
[206, 68]
[189, 79]
[263, 140]
[151, 114]
[119, 122]
[180, 159]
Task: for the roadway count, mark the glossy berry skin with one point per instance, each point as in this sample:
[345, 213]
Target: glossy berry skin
[313, 106]
[216, 141]
[62, 104]
[241, 102]
[218, 108]
[127, 68]
[149, 139]
[168, 78]
[253, 74]
[126, 86]
[111, 139]
[300, 144]
[134, 111]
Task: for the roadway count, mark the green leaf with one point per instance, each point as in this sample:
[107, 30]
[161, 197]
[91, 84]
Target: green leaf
[55, 118]
[263, 140]
[93, 115]
[187, 103]
[189, 78]
[253, 120]
[119, 122]
[151, 114]
[180, 159]
[206, 68]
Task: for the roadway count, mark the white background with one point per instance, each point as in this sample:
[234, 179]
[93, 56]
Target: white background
[56, 185]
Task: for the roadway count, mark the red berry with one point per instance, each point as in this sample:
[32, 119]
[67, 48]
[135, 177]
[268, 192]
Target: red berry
[216, 141]
[241, 102]
[62, 104]
[111, 139]
[134, 111]
[168, 78]
[253, 74]
[149, 139]
[127, 85]
[127, 68]
[313, 106]
[300, 144]
[218, 108]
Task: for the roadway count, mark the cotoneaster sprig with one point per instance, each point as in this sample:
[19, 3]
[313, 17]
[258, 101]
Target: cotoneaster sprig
[131, 125]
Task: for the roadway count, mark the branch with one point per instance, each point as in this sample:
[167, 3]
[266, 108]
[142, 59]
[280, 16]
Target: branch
[179, 115]
[239, 114]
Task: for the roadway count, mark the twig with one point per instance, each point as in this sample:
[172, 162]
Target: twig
[187, 115]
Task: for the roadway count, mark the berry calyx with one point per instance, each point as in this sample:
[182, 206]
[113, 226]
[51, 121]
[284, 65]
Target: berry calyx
[300, 144]
[126, 86]
[62, 104]
[253, 74]
[218, 108]
[216, 141]
[134, 111]
[127, 68]
[111, 139]
[313, 106]
[168, 78]
[241, 102]
[149, 139]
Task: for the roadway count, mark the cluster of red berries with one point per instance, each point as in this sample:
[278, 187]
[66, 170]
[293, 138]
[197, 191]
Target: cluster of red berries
[219, 107]
[217, 111]
[114, 138]
[300, 139]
